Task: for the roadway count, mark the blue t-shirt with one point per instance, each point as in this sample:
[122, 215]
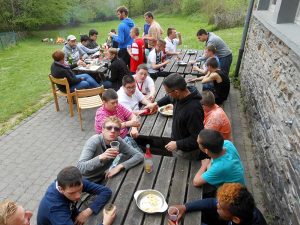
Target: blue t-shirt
[226, 169]
[146, 28]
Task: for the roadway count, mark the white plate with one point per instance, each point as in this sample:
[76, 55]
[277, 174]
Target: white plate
[181, 63]
[166, 112]
[191, 52]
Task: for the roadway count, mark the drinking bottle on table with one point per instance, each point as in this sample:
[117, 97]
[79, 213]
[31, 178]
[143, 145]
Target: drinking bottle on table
[148, 163]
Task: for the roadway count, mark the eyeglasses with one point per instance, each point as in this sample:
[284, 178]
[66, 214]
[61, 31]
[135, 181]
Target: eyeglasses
[117, 129]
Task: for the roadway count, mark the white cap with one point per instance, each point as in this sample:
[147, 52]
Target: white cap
[71, 38]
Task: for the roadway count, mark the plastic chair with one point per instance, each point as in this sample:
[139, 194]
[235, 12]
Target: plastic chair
[88, 98]
[56, 92]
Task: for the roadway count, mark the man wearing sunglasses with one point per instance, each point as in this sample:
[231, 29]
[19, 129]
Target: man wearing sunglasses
[97, 155]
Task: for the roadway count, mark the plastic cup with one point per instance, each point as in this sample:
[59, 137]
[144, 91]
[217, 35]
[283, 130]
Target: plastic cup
[115, 145]
[173, 213]
[109, 208]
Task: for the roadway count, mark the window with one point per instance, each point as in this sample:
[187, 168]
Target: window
[272, 5]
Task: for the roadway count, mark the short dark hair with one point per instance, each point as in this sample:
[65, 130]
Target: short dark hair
[109, 94]
[211, 48]
[84, 38]
[175, 81]
[92, 32]
[208, 98]
[142, 67]
[201, 32]
[127, 79]
[113, 51]
[212, 62]
[149, 14]
[212, 140]
[136, 31]
[169, 31]
[58, 55]
[123, 9]
[69, 177]
[113, 30]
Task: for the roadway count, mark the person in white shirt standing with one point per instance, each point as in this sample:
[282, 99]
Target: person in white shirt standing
[145, 83]
[172, 41]
[130, 97]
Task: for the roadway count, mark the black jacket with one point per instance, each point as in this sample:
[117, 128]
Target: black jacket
[117, 70]
[188, 117]
[92, 44]
[61, 71]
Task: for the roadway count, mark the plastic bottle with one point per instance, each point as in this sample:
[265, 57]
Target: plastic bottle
[148, 163]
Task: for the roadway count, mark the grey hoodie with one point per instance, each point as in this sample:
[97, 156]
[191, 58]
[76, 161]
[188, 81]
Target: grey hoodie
[75, 53]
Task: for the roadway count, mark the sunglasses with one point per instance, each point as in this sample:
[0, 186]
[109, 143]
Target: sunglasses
[117, 129]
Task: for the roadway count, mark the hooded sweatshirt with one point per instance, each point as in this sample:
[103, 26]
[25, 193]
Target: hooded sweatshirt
[123, 37]
[75, 53]
[188, 117]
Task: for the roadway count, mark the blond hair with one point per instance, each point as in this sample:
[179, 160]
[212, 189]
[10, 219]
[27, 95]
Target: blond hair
[112, 119]
[7, 209]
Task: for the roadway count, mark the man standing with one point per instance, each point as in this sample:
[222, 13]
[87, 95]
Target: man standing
[93, 34]
[155, 31]
[188, 116]
[222, 50]
[172, 41]
[123, 37]
[58, 206]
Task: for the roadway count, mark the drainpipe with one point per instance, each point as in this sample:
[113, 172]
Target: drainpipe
[245, 31]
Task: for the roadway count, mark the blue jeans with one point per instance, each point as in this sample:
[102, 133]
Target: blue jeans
[87, 83]
[208, 86]
[225, 63]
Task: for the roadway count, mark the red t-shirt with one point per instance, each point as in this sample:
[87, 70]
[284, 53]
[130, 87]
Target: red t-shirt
[137, 49]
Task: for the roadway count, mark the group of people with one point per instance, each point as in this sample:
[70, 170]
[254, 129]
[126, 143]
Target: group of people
[201, 129]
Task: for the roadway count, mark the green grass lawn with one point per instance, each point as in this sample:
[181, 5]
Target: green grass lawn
[24, 68]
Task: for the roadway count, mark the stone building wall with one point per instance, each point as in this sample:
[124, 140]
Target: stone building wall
[270, 83]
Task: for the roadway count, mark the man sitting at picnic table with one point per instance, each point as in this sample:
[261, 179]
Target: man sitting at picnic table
[234, 204]
[222, 50]
[97, 155]
[130, 97]
[111, 107]
[73, 54]
[59, 69]
[58, 206]
[145, 83]
[225, 165]
[172, 41]
[84, 40]
[219, 78]
[155, 60]
[92, 44]
[214, 116]
[188, 117]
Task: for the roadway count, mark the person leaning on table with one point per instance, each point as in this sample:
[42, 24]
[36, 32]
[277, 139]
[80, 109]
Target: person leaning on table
[97, 155]
[59, 69]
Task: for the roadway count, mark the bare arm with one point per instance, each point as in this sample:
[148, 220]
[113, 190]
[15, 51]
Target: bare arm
[198, 181]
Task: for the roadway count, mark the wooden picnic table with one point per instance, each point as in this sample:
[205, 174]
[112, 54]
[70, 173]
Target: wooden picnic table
[173, 66]
[97, 74]
[156, 129]
[172, 177]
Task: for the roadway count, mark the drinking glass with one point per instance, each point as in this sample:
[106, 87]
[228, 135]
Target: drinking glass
[109, 208]
[115, 145]
[173, 213]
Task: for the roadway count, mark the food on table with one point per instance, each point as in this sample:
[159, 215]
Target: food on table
[151, 203]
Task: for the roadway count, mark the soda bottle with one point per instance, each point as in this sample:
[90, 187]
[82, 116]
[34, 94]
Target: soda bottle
[148, 163]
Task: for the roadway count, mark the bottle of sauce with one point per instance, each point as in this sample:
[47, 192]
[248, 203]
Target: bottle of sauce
[148, 162]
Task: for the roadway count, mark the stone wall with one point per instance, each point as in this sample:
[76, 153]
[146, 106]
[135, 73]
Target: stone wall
[270, 83]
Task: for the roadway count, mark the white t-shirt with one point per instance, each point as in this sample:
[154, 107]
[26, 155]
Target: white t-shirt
[145, 86]
[171, 45]
[152, 59]
[130, 103]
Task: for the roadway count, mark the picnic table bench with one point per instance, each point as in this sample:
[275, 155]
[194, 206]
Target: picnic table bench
[173, 66]
[156, 129]
[172, 177]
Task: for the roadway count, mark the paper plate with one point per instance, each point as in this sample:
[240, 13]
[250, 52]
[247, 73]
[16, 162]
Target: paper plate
[165, 111]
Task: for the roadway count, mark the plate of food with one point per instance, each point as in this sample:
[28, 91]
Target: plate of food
[182, 63]
[191, 52]
[150, 201]
[166, 110]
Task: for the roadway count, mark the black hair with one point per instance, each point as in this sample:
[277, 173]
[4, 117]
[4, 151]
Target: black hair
[109, 94]
[84, 38]
[201, 32]
[175, 81]
[212, 140]
[127, 79]
[92, 32]
[113, 30]
[212, 62]
[69, 177]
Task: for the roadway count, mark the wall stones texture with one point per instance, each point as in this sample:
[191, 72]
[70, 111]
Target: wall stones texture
[270, 79]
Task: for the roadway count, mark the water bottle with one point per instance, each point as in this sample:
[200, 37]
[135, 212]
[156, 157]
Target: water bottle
[148, 163]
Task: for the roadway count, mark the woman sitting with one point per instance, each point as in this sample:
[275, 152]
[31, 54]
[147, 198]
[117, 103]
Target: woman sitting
[60, 69]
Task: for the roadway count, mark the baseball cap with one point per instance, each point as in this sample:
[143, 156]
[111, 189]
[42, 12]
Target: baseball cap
[71, 38]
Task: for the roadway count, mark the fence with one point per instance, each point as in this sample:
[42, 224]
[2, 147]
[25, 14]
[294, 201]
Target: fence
[7, 39]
